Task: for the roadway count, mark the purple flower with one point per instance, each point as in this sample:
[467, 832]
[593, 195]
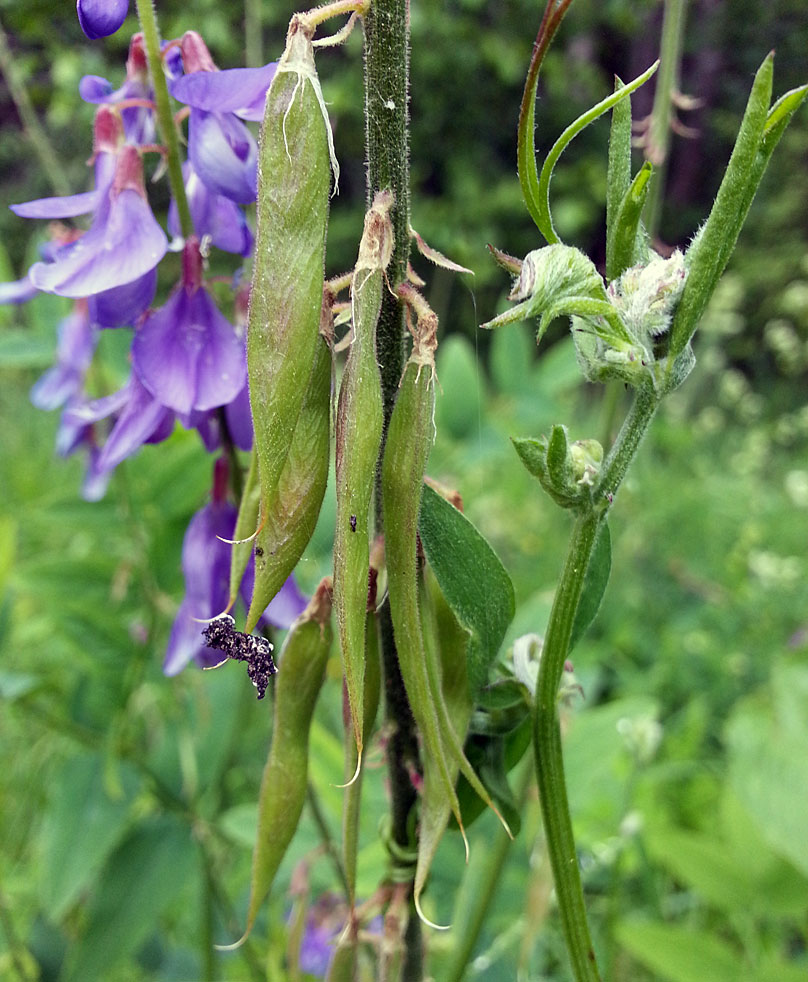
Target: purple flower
[138, 120]
[242, 91]
[123, 243]
[139, 419]
[100, 18]
[220, 147]
[238, 418]
[224, 154]
[74, 353]
[123, 305]
[187, 354]
[18, 291]
[206, 567]
[213, 215]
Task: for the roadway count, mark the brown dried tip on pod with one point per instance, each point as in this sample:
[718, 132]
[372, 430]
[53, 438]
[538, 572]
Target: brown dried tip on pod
[358, 439]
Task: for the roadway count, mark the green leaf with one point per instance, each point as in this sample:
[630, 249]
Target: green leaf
[472, 578]
[144, 877]
[627, 223]
[724, 878]
[458, 410]
[512, 354]
[533, 454]
[618, 177]
[712, 247]
[597, 576]
[768, 766]
[82, 826]
[680, 955]
[545, 224]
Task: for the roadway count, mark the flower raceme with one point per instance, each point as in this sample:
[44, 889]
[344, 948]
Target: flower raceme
[188, 356]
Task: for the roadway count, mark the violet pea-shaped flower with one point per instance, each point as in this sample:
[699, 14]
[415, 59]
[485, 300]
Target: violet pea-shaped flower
[100, 18]
[213, 215]
[123, 244]
[137, 118]
[187, 353]
[206, 567]
[220, 147]
[74, 353]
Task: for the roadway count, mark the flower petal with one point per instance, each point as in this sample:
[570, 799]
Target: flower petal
[123, 243]
[224, 154]
[242, 91]
[188, 354]
[100, 18]
[122, 305]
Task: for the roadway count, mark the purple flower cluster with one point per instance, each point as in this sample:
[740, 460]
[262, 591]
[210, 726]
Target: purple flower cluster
[188, 360]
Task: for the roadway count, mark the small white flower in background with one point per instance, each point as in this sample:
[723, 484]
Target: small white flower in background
[526, 655]
[642, 735]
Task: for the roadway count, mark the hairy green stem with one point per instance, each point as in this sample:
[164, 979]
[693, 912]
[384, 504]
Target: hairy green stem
[165, 118]
[546, 733]
[387, 147]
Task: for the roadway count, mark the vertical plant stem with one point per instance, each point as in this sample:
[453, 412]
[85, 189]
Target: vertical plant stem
[32, 128]
[659, 130]
[547, 751]
[546, 733]
[387, 140]
[253, 34]
[165, 118]
[331, 849]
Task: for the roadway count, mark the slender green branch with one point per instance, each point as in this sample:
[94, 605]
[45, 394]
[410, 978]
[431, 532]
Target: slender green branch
[546, 733]
[165, 118]
[32, 128]
[548, 757]
[659, 127]
[331, 849]
[253, 33]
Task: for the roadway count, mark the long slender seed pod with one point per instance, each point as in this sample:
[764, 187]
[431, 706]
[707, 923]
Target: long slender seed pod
[294, 178]
[358, 438]
[300, 676]
[409, 440]
[290, 514]
[246, 526]
[371, 695]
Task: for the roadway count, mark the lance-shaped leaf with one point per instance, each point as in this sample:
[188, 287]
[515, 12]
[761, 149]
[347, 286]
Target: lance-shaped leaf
[760, 131]
[621, 241]
[472, 578]
[618, 175]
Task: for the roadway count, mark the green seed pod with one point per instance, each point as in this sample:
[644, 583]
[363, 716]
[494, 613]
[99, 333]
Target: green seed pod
[294, 177]
[289, 514]
[246, 525]
[300, 676]
[371, 694]
[358, 438]
[409, 440]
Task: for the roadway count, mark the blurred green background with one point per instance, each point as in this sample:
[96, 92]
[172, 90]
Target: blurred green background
[127, 800]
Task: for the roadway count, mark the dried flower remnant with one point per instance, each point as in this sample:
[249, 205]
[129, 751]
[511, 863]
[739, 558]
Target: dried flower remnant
[257, 652]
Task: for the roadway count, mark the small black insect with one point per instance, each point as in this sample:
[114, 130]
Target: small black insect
[257, 652]
[353, 523]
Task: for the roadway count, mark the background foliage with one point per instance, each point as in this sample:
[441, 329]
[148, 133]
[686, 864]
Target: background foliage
[128, 800]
